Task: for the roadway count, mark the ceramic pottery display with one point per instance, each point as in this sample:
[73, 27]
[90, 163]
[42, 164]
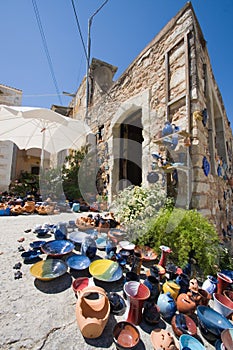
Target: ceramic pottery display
[105, 270]
[92, 311]
[37, 244]
[167, 129]
[78, 262]
[183, 281]
[211, 321]
[153, 284]
[188, 342]
[223, 305]
[167, 306]
[229, 294]
[193, 285]
[125, 336]
[185, 304]
[151, 313]
[165, 251]
[227, 338]
[172, 287]
[136, 294]
[57, 248]
[31, 256]
[147, 254]
[223, 282]
[88, 247]
[136, 263]
[162, 339]
[183, 324]
[200, 297]
[49, 269]
[60, 231]
[79, 284]
[117, 303]
[77, 236]
[210, 284]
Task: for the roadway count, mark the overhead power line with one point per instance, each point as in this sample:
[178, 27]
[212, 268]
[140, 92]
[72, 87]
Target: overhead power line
[79, 28]
[46, 49]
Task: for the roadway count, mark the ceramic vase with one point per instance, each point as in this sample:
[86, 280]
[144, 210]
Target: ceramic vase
[137, 263]
[210, 284]
[172, 287]
[183, 281]
[136, 294]
[167, 305]
[165, 251]
[223, 282]
[88, 247]
[92, 314]
[60, 231]
[153, 284]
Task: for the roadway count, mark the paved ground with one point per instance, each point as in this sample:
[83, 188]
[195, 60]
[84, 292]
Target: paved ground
[41, 315]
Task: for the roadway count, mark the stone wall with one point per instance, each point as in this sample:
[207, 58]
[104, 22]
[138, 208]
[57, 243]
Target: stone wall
[171, 79]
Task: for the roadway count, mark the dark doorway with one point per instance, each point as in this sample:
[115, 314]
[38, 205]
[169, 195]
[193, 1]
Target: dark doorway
[130, 165]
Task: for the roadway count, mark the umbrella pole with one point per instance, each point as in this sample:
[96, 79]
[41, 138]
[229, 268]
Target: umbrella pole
[42, 149]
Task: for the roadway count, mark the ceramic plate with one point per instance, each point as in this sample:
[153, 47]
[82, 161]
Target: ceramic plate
[78, 262]
[57, 247]
[105, 270]
[77, 236]
[126, 245]
[49, 269]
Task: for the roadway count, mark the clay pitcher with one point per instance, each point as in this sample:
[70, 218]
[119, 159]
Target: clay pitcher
[92, 311]
[223, 282]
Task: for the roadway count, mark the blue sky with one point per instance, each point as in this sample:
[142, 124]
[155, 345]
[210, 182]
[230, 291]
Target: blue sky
[119, 32]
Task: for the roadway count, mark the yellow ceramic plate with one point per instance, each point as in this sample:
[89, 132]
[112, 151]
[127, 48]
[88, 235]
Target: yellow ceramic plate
[49, 269]
[105, 270]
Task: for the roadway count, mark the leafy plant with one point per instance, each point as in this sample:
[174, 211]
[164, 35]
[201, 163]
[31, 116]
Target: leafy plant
[135, 205]
[188, 234]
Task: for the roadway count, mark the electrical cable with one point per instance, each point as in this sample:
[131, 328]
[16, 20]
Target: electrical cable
[46, 49]
[79, 29]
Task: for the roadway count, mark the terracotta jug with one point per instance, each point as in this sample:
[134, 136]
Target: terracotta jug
[92, 311]
[185, 304]
[223, 282]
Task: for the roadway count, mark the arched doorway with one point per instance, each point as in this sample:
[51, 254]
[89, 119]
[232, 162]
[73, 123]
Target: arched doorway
[128, 151]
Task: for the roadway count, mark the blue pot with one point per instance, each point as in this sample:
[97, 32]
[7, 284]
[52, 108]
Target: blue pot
[167, 130]
[88, 247]
[60, 232]
[183, 282]
[166, 305]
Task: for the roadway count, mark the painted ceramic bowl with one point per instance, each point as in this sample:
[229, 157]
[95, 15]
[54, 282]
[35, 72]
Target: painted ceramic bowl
[57, 248]
[189, 342]
[78, 262]
[183, 324]
[222, 304]
[227, 338]
[41, 232]
[49, 269]
[77, 236]
[211, 321]
[79, 284]
[229, 294]
[105, 270]
[125, 335]
[31, 255]
[117, 303]
[37, 244]
[101, 243]
[126, 245]
[147, 253]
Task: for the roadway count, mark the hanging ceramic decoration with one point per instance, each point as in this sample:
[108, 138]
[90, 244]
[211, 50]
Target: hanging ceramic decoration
[167, 130]
[205, 166]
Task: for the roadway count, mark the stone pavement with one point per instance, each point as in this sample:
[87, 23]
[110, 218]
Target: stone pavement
[38, 315]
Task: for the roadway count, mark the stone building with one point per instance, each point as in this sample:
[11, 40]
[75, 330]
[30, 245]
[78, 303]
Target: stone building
[170, 80]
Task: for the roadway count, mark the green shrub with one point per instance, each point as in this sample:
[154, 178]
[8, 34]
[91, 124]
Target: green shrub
[188, 234]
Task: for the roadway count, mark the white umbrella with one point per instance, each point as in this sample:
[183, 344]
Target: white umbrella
[32, 127]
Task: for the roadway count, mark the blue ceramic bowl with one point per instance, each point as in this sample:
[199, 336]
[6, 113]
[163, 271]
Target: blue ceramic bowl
[212, 321]
[41, 232]
[30, 255]
[37, 244]
[78, 262]
[189, 342]
[57, 247]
